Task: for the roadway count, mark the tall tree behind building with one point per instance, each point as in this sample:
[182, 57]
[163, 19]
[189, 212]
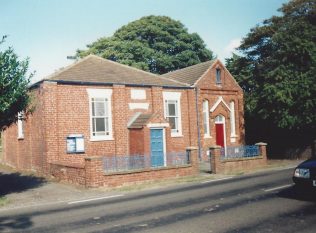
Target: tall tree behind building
[157, 44]
[277, 70]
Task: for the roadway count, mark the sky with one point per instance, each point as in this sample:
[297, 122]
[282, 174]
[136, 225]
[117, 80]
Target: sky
[47, 31]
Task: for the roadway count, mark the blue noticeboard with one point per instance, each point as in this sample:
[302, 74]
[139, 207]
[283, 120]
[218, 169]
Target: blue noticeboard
[75, 143]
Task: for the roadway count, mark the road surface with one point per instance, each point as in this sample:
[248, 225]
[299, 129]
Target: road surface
[260, 202]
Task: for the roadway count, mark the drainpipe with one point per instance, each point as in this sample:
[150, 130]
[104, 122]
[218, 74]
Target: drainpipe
[198, 121]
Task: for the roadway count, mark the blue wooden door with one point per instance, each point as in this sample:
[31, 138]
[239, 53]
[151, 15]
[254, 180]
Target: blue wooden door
[156, 148]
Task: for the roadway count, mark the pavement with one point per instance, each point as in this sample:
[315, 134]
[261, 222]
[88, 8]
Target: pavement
[21, 190]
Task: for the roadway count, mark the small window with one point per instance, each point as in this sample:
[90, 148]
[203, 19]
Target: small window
[218, 76]
[20, 125]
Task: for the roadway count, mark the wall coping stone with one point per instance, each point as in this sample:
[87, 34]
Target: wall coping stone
[67, 164]
[215, 147]
[261, 144]
[91, 158]
[192, 148]
[241, 159]
[146, 170]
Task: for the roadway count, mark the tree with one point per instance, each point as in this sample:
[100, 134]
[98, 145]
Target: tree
[278, 67]
[276, 70]
[14, 82]
[157, 44]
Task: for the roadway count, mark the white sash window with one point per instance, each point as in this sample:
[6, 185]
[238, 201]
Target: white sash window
[100, 114]
[173, 112]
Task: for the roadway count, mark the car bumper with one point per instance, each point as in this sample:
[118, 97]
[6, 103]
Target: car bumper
[304, 182]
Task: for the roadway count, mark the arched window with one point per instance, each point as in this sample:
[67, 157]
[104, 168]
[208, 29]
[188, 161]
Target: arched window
[206, 121]
[232, 119]
[218, 76]
[219, 119]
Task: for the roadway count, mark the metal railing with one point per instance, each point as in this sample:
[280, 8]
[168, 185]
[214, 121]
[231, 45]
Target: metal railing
[139, 162]
[232, 152]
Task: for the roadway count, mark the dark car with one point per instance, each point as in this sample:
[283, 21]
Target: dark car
[305, 174]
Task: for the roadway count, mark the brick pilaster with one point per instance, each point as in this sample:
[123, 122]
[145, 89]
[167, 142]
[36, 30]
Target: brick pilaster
[193, 151]
[262, 150]
[50, 122]
[93, 169]
[216, 164]
[120, 106]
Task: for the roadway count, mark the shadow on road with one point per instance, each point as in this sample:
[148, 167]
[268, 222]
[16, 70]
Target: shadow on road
[297, 193]
[17, 182]
[15, 223]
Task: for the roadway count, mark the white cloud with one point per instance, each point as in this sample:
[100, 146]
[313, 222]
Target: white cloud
[222, 52]
[232, 45]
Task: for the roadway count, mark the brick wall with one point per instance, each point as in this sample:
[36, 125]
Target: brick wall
[91, 174]
[228, 166]
[27, 153]
[97, 178]
[65, 173]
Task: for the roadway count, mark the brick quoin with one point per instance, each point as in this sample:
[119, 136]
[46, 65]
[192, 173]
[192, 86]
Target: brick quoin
[62, 109]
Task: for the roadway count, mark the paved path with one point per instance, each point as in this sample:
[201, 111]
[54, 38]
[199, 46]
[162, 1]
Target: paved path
[260, 202]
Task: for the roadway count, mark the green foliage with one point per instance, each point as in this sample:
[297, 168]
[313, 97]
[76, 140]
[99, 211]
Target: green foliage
[277, 68]
[157, 44]
[13, 86]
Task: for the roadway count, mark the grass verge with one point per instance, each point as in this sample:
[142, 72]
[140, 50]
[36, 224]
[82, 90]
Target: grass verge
[3, 201]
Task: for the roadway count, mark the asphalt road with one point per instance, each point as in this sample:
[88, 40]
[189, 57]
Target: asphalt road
[262, 202]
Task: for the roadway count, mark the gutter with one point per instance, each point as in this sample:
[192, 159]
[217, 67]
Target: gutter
[198, 121]
[104, 84]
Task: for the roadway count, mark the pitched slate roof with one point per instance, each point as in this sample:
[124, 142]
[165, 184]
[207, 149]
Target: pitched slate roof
[140, 121]
[94, 69]
[190, 75]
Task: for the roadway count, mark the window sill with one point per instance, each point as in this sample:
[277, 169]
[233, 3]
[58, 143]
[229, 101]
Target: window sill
[76, 152]
[21, 138]
[234, 136]
[176, 135]
[208, 136]
[97, 139]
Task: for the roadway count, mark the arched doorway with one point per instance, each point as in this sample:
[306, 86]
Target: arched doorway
[220, 131]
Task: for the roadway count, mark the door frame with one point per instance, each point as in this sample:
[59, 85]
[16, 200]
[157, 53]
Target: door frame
[223, 122]
[163, 141]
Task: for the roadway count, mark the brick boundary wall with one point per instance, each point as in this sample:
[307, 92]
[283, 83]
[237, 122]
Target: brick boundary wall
[238, 164]
[92, 175]
[69, 174]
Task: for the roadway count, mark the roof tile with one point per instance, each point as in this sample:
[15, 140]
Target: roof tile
[190, 75]
[95, 69]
